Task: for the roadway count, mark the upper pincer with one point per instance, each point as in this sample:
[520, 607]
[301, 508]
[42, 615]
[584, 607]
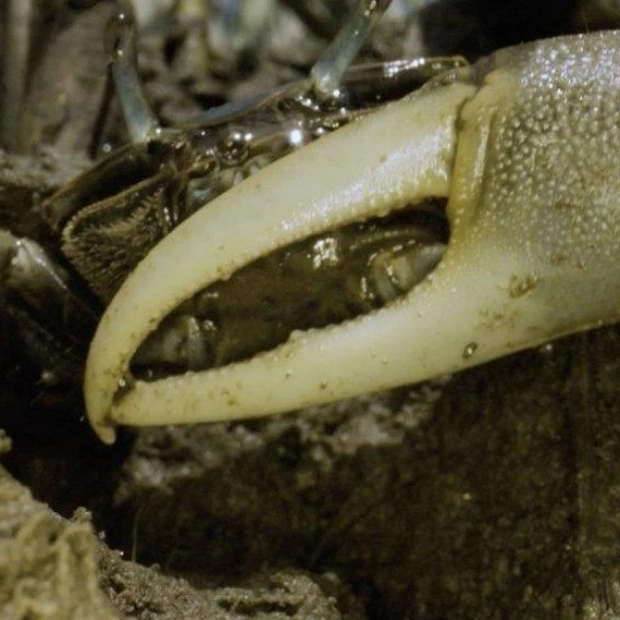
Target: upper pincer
[523, 147]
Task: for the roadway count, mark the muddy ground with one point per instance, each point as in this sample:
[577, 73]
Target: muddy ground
[494, 493]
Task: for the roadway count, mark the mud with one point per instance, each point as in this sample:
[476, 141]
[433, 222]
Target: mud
[492, 495]
[58, 568]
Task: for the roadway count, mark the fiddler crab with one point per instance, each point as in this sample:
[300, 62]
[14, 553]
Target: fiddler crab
[428, 230]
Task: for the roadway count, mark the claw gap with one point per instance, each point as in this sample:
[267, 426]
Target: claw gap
[321, 281]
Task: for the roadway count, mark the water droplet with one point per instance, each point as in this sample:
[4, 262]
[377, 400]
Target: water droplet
[470, 349]
[547, 349]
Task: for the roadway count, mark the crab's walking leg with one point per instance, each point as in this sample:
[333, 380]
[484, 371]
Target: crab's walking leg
[49, 319]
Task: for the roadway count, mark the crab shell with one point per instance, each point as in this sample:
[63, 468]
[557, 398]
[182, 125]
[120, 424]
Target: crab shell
[523, 144]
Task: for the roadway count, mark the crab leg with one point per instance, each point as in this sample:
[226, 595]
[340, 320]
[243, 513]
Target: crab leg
[524, 146]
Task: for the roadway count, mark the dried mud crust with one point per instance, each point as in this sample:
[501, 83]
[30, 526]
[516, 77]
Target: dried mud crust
[48, 566]
[55, 568]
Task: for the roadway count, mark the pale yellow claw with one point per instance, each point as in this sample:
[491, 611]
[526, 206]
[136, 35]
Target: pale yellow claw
[524, 145]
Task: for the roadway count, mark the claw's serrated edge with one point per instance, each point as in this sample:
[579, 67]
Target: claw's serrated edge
[400, 154]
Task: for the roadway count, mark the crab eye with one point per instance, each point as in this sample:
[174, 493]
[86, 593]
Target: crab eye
[235, 149]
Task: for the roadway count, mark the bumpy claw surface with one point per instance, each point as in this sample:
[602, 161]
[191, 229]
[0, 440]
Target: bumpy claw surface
[524, 146]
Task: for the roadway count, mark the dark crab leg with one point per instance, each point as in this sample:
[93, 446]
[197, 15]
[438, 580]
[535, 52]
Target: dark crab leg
[523, 144]
[36, 295]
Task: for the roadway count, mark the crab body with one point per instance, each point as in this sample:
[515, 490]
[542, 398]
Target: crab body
[522, 145]
[143, 190]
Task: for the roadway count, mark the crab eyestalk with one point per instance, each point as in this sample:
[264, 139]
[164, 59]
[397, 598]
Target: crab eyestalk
[121, 48]
[524, 147]
[328, 71]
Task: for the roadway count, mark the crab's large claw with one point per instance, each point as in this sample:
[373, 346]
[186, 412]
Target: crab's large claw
[525, 146]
